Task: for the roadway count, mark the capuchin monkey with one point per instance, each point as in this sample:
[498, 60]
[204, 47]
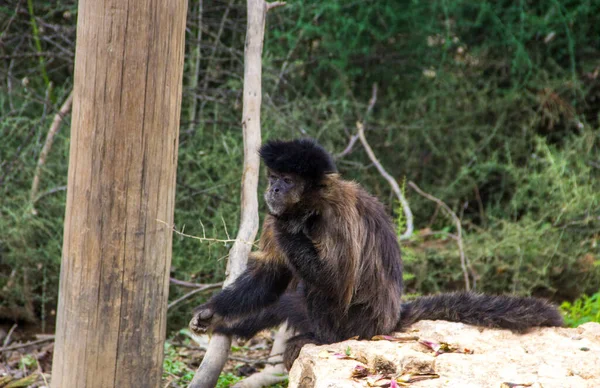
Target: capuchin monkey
[329, 264]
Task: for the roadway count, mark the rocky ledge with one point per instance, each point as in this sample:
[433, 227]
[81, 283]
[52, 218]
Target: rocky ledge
[447, 354]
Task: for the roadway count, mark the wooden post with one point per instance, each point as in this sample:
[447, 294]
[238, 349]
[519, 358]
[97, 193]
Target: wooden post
[124, 136]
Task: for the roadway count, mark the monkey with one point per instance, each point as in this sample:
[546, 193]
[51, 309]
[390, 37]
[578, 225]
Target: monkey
[329, 263]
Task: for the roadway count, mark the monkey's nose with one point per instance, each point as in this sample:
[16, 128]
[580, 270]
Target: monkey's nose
[276, 190]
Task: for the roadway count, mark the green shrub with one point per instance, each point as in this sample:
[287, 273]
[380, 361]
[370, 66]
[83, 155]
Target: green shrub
[582, 310]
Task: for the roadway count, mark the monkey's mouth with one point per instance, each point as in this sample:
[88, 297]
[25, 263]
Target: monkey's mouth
[275, 203]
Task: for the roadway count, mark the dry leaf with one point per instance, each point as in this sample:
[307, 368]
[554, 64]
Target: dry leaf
[394, 339]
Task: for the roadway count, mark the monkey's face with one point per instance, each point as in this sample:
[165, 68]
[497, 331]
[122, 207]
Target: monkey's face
[284, 191]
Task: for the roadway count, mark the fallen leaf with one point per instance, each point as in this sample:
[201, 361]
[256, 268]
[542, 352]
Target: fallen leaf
[394, 339]
[414, 377]
[360, 371]
[24, 382]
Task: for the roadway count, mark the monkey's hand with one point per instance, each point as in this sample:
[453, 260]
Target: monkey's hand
[204, 318]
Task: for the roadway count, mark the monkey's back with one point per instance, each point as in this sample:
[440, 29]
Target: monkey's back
[361, 236]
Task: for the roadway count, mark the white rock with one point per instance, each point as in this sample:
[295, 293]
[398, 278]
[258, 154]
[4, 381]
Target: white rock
[544, 357]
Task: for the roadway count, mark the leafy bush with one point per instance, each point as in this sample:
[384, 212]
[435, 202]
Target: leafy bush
[582, 310]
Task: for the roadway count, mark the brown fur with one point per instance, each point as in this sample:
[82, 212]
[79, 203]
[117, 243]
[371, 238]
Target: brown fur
[268, 251]
[367, 268]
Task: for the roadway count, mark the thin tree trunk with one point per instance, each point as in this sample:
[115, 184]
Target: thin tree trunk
[116, 255]
[218, 348]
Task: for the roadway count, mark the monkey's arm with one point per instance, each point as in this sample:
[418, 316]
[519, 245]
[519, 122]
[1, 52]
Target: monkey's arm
[304, 258]
[290, 307]
[260, 285]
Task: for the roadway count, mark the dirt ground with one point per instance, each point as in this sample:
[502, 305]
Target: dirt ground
[26, 358]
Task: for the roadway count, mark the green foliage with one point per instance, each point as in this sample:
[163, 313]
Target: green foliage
[582, 310]
[175, 368]
[227, 380]
[490, 106]
[28, 362]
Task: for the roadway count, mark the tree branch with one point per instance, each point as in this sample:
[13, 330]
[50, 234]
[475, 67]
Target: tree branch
[354, 137]
[403, 202]
[459, 241]
[25, 345]
[194, 292]
[183, 283]
[275, 4]
[58, 118]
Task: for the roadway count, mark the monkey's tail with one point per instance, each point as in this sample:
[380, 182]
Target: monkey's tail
[507, 312]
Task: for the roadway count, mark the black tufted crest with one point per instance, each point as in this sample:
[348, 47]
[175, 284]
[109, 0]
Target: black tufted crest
[304, 157]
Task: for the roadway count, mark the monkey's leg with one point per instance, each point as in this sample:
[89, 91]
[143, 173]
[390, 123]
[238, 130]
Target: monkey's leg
[294, 345]
[290, 307]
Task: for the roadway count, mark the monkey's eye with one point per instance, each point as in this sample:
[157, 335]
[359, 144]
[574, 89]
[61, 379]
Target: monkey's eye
[287, 180]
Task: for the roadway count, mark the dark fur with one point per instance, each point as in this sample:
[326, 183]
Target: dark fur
[336, 256]
[303, 157]
[503, 311]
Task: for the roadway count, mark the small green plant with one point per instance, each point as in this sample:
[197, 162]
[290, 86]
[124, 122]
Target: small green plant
[235, 348]
[173, 367]
[584, 309]
[283, 384]
[227, 380]
[27, 362]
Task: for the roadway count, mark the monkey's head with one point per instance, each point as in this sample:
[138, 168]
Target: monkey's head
[294, 168]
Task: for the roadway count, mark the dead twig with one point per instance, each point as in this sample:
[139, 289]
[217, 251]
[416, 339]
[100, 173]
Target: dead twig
[204, 238]
[231, 357]
[253, 362]
[28, 344]
[275, 4]
[348, 148]
[194, 292]
[395, 187]
[355, 137]
[459, 239]
[183, 283]
[51, 191]
[58, 118]
[10, 332]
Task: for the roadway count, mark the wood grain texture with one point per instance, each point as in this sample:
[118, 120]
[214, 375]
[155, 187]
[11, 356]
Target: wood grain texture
[124, 137]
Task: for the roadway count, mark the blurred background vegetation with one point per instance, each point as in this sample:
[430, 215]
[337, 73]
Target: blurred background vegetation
[491, 106]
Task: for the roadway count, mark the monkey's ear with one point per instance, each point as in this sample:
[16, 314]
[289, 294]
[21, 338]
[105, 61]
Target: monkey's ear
[303, 157]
